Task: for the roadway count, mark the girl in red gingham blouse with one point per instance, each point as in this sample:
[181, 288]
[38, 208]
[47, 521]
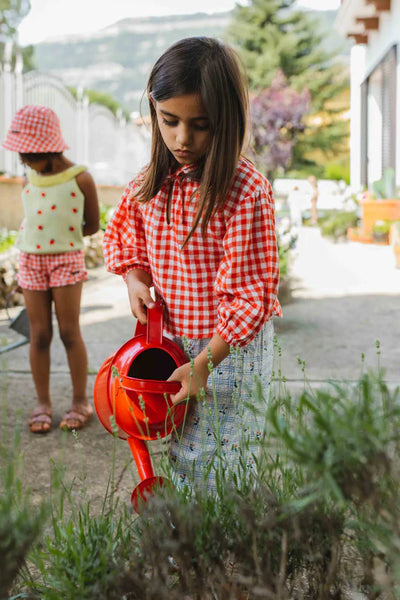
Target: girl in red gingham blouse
[198, 225]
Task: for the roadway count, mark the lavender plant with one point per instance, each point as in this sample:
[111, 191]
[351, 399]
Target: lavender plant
[319, 521]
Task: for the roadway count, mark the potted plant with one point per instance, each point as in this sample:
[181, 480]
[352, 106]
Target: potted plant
[380, 232]
[383, 204]
[385, 187]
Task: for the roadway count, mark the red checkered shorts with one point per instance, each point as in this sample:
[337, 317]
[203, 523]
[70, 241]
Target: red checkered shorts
[45, 271]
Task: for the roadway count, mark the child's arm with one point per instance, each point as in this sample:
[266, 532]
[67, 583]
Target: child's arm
[194, 379]
[246, 285]
[138, 283]
[124, 242]
[91, 215]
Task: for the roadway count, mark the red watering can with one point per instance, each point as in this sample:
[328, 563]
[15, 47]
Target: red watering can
[131, 386]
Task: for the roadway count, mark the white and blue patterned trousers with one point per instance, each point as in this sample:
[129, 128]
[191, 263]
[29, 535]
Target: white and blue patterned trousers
[223, 429]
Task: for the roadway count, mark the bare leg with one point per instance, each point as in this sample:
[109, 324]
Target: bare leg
[67, 301]
[38, 306]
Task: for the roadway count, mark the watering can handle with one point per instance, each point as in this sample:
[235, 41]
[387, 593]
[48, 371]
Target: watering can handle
[154, 327]
[149, 386]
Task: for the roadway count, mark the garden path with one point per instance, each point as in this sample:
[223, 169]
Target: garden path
[345, 298]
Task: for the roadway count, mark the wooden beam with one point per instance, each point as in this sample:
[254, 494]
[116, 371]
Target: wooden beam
[359, 38]
[370, 23]
[380, 5]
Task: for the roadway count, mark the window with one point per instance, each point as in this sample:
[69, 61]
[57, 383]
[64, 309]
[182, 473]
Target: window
[378, 119]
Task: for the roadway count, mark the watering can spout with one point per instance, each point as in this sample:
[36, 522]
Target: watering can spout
[149, 481]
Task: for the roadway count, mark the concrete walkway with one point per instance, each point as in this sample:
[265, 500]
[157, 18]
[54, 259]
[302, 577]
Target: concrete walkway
[346, 298]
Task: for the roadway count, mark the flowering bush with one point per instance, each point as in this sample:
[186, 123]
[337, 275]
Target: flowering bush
[277, 115]
[286, 237]
[7, 239]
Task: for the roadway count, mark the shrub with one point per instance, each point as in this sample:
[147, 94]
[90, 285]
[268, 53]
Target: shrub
[20, 523]
[381, 226]
[7, 239]
[85, 557]
[338, 171]
[105, 215]
[338, 223]
[286, 241]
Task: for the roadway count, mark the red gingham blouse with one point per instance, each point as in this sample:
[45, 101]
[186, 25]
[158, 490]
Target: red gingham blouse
[226, 282]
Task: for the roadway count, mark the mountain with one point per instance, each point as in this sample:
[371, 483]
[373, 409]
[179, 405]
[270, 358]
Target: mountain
[118, 59]
[325, 20]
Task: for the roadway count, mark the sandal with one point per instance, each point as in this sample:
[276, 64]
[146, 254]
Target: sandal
[40, 421]
[76, 418]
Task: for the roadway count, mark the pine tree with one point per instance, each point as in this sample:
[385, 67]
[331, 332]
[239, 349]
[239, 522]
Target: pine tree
[272, 36]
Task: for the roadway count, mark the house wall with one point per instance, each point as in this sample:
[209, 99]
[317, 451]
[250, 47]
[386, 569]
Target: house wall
[357, 73]
[364, 59]
[378, 45]
[374, 127]
[380, 42]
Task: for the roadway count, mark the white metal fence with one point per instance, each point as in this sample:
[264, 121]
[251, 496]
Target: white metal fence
[114, 150]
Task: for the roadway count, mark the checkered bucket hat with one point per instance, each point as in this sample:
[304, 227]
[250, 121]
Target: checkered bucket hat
[35, 129]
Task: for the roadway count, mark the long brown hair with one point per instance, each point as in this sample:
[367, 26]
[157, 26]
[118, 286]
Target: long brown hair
[205, 66]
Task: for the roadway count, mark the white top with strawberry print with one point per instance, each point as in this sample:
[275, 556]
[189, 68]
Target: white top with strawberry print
[53, 209]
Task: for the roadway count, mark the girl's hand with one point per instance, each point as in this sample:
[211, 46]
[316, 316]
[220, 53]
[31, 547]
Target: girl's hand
[192, 380]
[138, 283]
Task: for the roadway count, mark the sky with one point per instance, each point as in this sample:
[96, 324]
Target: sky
[51, 18]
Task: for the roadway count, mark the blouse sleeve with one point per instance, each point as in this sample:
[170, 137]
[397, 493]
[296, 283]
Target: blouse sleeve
[248, 276]
[124, 242]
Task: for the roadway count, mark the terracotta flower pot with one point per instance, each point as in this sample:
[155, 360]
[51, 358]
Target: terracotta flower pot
[379, 210]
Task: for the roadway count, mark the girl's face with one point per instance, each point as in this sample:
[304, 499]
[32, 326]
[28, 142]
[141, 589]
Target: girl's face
[184, 127]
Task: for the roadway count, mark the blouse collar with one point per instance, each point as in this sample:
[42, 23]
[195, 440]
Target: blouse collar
[189, 171]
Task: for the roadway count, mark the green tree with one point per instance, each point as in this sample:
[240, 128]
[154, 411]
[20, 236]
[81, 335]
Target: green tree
[28, 58]
[272, 36]
[11, 14]
[104, 99]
